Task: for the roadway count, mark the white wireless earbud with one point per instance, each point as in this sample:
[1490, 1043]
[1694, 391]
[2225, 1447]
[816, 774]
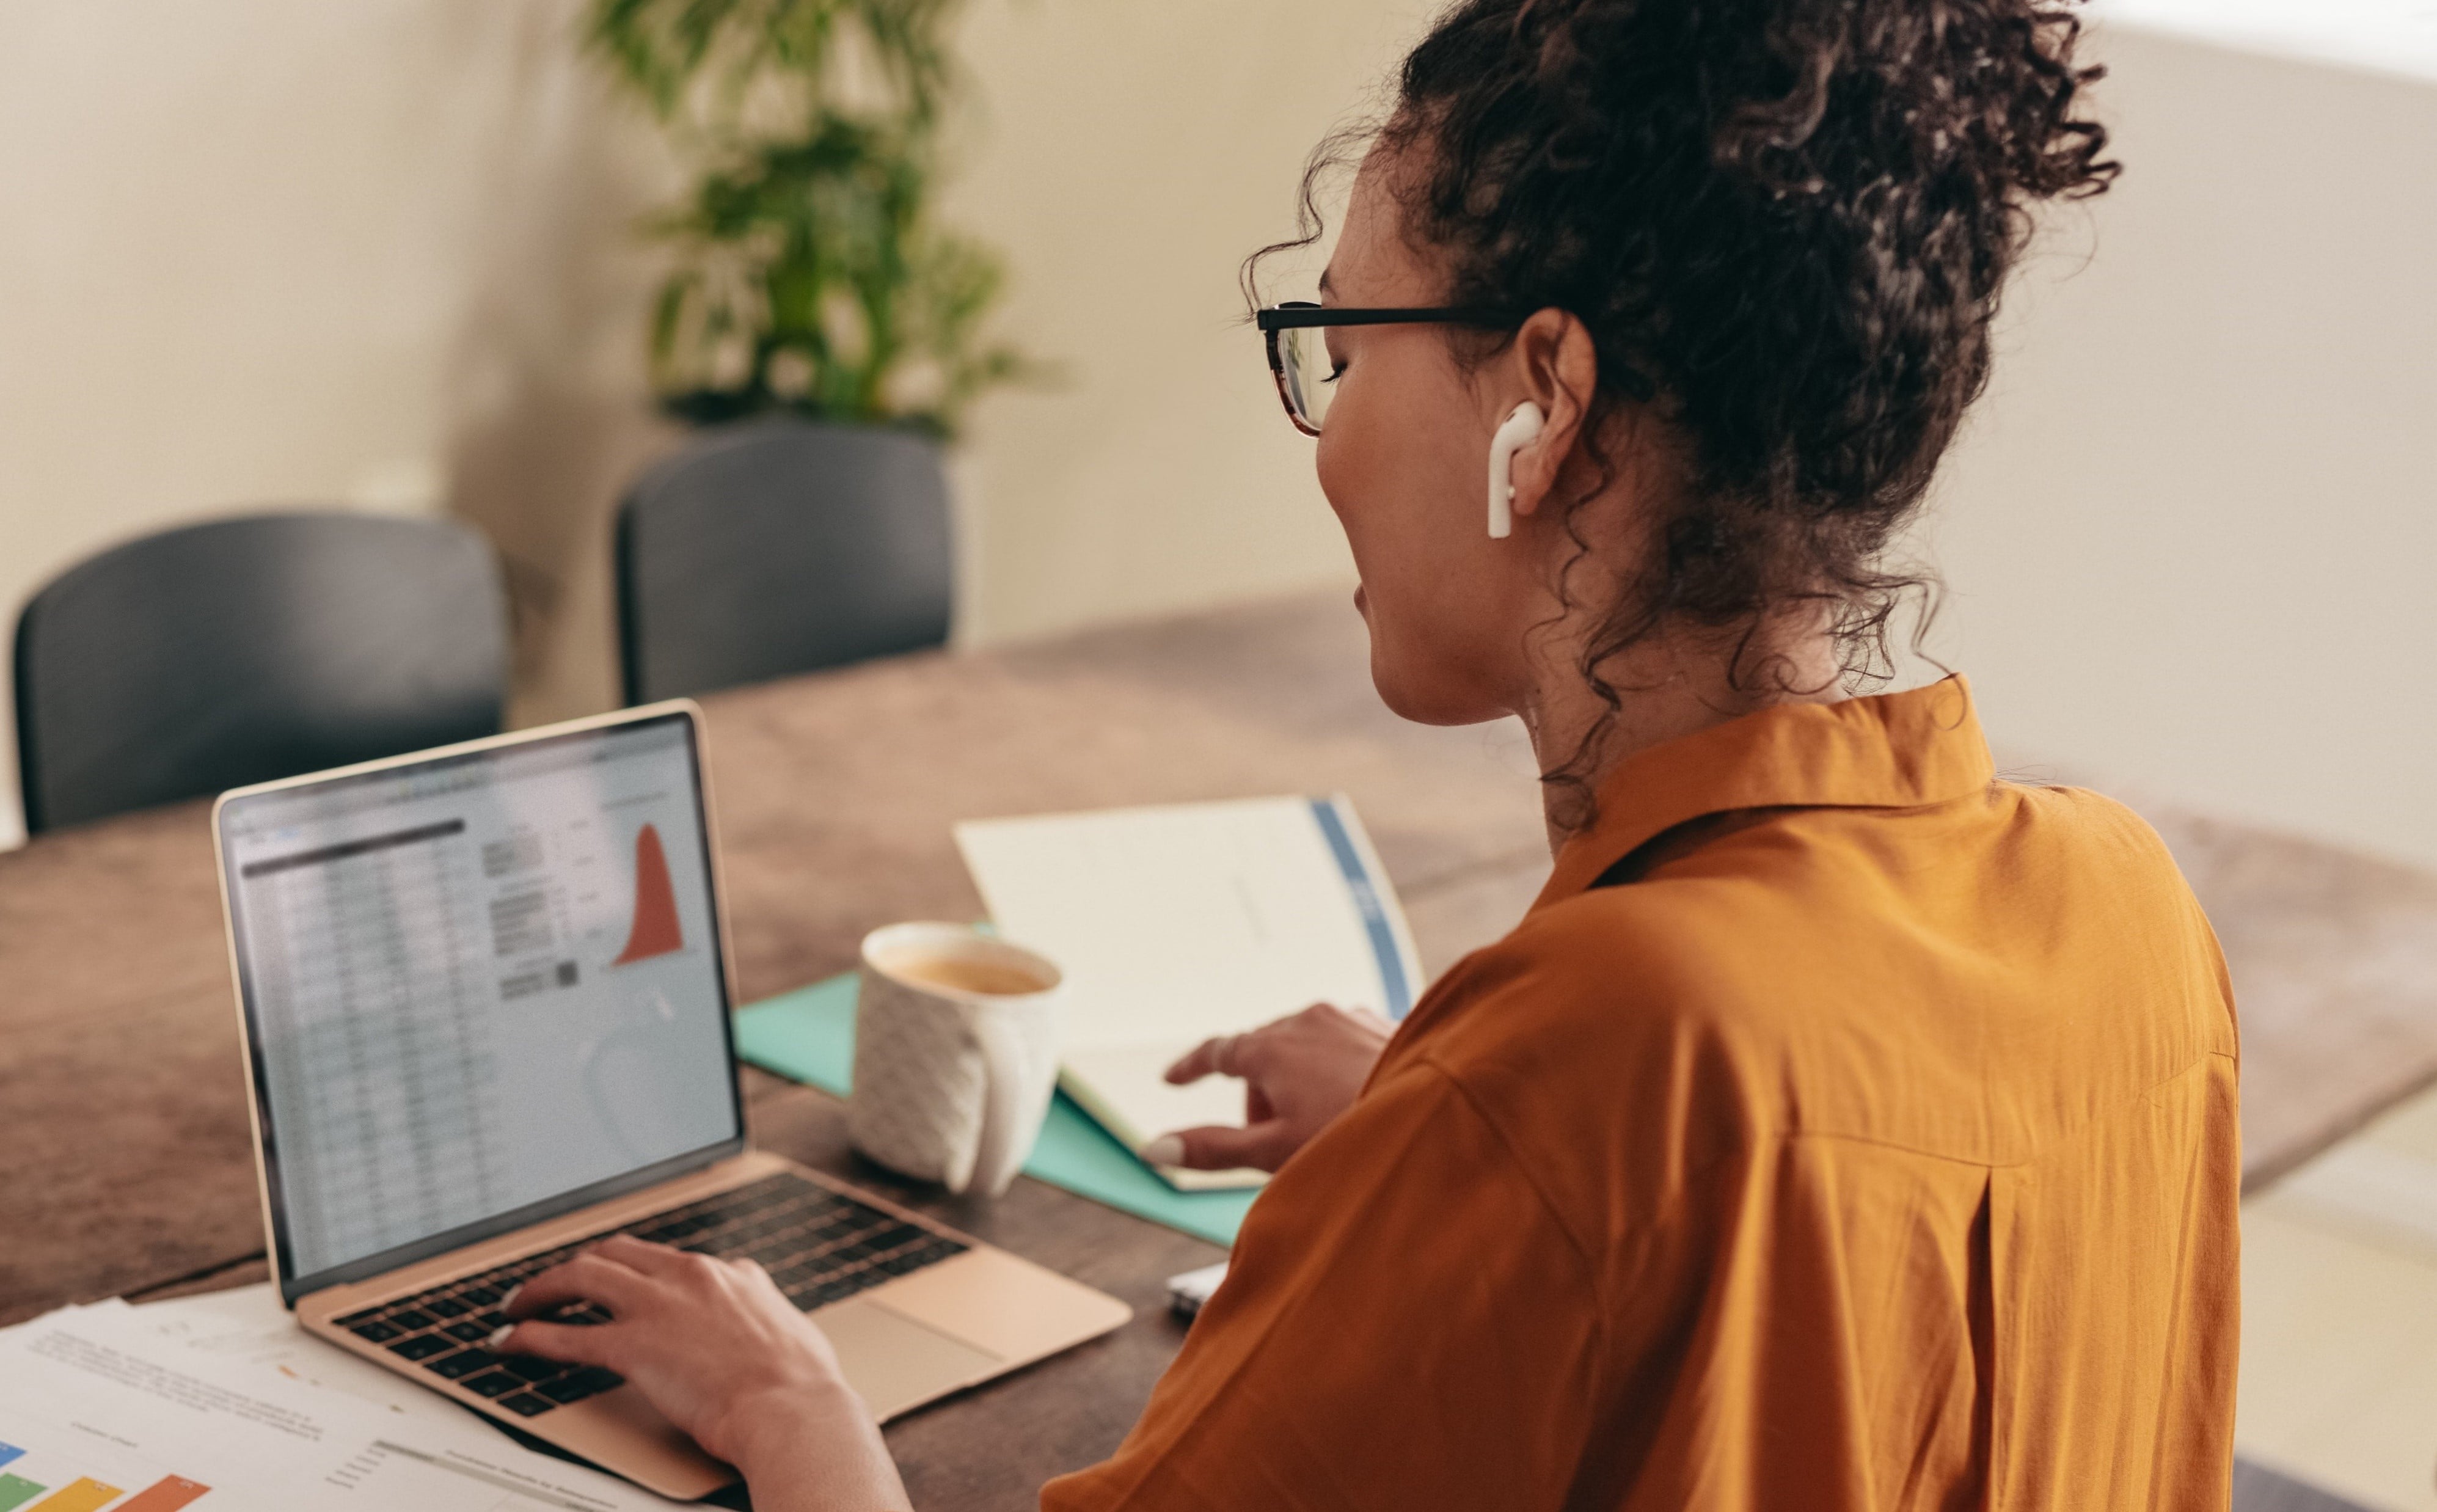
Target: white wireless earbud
[1521, 428]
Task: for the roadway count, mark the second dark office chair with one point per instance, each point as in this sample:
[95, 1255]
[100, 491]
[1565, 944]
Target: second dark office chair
[780, 547]
[243, 650]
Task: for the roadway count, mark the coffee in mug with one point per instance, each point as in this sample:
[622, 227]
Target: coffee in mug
[955, 1054]
[924, 968]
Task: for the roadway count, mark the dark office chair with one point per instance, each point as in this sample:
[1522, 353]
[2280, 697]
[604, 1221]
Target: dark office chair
[777, 548]
[243, 650]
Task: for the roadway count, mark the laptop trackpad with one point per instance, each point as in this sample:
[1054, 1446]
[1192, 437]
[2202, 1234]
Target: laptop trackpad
[896, 1362]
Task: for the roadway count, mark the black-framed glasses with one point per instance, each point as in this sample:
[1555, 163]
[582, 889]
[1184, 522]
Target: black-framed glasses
[1299, 349]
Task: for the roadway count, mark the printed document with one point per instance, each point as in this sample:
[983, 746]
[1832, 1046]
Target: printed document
[221, 1402]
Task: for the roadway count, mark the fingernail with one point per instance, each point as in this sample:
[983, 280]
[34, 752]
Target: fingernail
[498, 1336]
[1167, 1149]
[510, 1300]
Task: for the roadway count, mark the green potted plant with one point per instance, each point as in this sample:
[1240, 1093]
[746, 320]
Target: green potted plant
[814, 294]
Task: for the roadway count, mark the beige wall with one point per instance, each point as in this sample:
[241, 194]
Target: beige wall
[1135, 153]
[2192, 534]
[281, 250]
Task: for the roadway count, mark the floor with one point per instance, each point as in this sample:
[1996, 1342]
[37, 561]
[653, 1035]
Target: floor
[2338, 1386]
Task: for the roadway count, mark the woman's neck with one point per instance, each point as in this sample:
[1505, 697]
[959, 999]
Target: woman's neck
[1664, 690]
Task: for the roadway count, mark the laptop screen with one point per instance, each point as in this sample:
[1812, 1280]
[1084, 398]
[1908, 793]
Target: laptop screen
[479, 988]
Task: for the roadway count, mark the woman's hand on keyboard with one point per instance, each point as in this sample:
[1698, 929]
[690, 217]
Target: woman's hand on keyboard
[1299, 1073]
[723, 1354]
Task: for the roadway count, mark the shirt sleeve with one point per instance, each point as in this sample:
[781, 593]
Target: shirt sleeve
[1404, 1323]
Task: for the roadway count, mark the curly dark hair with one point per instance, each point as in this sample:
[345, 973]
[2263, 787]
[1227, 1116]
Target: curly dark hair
[1785, 224]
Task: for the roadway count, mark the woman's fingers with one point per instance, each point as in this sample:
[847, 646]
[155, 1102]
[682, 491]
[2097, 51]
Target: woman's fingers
[1217, 1147]
[1199, 1061]
[576, 1343]
[1245, 1055]
[616, 1273]
[590, 1277]
[641, 1254]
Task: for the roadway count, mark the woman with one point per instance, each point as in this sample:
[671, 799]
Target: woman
[1842, 1127]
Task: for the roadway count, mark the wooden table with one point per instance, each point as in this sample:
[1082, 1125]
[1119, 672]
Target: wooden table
[124, 1166]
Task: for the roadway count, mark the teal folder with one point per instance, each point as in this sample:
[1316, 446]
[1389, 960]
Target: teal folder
[808, 1035]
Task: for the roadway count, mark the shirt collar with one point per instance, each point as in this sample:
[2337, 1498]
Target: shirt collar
[1891, 751]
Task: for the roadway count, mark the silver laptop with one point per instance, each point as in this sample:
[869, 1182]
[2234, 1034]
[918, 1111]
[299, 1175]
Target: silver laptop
[486, 999]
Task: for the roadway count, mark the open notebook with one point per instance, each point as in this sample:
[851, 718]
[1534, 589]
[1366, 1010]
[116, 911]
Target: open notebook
[1180, 922]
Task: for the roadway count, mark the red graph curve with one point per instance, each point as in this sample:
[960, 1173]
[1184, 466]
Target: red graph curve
[655, 931]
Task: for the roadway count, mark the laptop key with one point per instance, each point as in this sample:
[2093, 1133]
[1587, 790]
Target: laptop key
[590, 1382]
[473, 1330]
[497, 1383]
[423, 1346]
[525, 1404]
[464, 1362]
[376, 1332]
[409, 1318]
[446, 1307]
[532, 1368]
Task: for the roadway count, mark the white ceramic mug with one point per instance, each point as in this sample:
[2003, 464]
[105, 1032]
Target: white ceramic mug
[955, 1054]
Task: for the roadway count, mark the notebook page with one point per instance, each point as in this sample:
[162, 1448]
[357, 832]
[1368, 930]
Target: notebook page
[1176, 923]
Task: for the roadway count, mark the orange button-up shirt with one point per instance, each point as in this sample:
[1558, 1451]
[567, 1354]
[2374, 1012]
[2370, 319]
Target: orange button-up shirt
[1871, 1146]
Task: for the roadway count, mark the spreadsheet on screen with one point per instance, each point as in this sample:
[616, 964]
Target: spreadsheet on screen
[480, 983]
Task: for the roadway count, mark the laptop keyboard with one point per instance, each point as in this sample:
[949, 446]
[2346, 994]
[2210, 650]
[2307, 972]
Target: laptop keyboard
[819, 1246]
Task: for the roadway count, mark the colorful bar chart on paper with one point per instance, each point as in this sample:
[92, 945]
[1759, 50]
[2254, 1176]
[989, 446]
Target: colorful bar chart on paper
[84, 1494]
[167, 1494]
[170, 1493]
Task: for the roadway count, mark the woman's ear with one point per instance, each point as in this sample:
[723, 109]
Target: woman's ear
[1556, 367]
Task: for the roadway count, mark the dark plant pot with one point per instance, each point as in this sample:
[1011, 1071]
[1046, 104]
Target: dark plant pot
[780, 545]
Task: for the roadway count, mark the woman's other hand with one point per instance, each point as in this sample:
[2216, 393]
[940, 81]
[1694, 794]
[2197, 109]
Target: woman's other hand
[724, 1355]
[1299, 1073]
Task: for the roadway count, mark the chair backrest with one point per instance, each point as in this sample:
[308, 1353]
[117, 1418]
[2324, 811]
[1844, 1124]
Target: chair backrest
[779, 547]
[243, 650]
